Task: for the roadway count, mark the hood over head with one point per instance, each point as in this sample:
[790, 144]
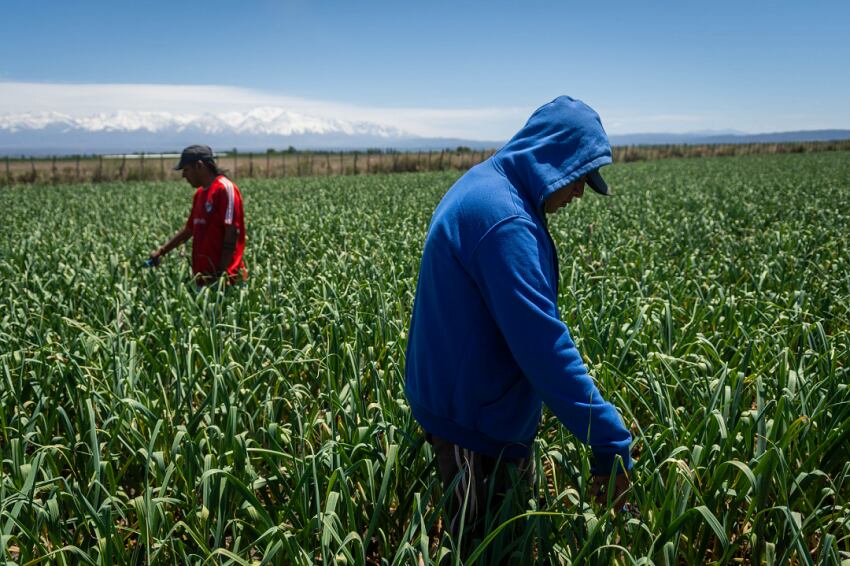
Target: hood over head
[562, 141]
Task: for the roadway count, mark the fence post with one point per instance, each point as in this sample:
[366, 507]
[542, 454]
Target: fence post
[54, 171]
[235, 163]
[123, 163]
[283, 164]
[77, 175]
[142, 166]
[355, 162]
[161, 166]
[250, 164]
[268, 164]
[8, 175]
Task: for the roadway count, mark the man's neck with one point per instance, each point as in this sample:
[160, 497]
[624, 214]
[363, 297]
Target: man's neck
[206, 182]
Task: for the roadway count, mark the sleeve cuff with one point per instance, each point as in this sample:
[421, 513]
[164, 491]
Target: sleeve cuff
[604, 462]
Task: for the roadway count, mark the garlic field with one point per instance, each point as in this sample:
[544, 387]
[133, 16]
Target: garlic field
[143, 422]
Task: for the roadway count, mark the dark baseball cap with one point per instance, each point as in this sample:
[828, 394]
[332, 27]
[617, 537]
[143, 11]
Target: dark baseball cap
[597, 183]
[194, 153]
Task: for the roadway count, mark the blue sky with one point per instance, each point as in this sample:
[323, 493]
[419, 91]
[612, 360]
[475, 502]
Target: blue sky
[475, 69]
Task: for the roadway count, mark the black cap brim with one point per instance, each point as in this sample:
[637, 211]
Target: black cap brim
[597, 183]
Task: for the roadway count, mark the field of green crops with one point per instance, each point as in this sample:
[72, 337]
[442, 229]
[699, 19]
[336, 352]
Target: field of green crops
[142, 422]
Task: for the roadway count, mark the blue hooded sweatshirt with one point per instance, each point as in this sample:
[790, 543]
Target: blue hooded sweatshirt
[487, 346]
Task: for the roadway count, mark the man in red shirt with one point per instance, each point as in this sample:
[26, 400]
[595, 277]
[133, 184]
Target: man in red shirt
[216, 223]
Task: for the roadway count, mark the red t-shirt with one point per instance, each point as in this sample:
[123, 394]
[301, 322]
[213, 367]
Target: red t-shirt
[213, 208]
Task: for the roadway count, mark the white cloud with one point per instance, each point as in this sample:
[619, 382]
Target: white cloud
[80, 100]
[618, 122]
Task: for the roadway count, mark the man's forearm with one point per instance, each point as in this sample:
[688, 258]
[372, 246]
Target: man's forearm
[226, 259]
[175, 241]
[228, 248]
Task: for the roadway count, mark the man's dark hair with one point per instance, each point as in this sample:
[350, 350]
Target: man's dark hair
[213, 168]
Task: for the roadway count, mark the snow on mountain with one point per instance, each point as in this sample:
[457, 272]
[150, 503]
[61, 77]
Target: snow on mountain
[34, 121]
[54, 133]
[266, 121]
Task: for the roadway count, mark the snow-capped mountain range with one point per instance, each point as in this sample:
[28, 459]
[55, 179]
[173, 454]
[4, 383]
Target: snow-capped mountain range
[257, 129]
[262, 121]
[125, 131]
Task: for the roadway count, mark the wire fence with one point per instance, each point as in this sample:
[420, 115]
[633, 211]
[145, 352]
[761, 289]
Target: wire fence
[160, 167]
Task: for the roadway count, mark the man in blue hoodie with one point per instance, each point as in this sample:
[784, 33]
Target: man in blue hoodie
[487, 346]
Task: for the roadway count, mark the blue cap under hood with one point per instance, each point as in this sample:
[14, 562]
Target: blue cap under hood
[562, 141]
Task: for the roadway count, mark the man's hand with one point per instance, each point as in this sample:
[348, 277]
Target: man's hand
[619, 499]
[157, 254]
[153, 260]
[178, 238]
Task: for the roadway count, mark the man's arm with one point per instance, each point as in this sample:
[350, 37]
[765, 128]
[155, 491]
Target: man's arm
[507, 267]
[228, 247]
[175, 241]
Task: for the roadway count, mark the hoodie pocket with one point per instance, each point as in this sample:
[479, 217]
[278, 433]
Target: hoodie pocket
[513, 416]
